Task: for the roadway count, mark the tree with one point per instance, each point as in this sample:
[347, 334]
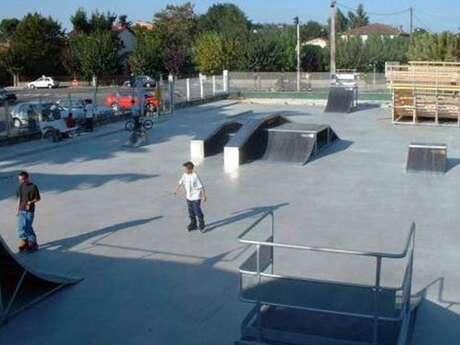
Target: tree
[313, 58]
[13, 61]
[312, 30]
[37, 43]
[97, 54]
[358, 19]
[96, 22]
[427, 46]
[264, 53]
[8, 28]
[225, 19]
[341, 21]
[209, 53]
[146, 58]
[176, 27]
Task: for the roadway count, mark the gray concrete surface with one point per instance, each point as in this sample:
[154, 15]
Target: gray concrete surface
[108, 215]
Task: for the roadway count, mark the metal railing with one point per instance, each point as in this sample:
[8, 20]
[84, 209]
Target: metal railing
[261, 264]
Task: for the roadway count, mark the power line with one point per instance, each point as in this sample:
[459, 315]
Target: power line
[375, 13]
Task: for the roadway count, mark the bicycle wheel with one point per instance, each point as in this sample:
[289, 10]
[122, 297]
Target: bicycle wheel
[147, 124]
[129, 125]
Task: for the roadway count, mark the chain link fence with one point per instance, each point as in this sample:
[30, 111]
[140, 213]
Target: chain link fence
[287, 81]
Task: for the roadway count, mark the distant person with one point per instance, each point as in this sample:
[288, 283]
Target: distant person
[69, 121]
[194, 192]
[28, 195]
[89, 115]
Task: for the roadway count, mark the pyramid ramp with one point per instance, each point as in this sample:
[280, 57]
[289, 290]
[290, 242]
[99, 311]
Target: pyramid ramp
[22, 287]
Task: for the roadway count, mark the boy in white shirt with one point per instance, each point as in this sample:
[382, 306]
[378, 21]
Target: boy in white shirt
[194, 192]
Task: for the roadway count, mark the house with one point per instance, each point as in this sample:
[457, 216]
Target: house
[319, 42]
[144, 25]
[127, 39]
[382, 30]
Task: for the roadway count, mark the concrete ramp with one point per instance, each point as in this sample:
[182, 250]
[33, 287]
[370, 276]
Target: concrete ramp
[296, 143]
[427, 158]
[340, 100]
[21, 287]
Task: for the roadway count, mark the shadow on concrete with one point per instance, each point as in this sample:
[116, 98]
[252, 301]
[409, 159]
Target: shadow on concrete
[336, 147]
[452, 163]
[70, 242]
[64, 183]
[241, 215]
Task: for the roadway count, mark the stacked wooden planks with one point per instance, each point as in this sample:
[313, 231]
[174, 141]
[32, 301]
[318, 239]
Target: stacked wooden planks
[425, 92]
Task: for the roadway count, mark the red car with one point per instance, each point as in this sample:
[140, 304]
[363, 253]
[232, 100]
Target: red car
[119, 100]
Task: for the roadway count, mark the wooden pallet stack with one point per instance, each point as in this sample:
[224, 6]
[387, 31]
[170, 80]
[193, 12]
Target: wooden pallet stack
[425, 92]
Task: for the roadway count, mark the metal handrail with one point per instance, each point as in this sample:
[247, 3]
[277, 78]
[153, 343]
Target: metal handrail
[325, 249]
[377, 287]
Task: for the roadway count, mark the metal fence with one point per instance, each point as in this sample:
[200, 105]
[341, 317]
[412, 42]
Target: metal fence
[27, 116]
[287, 81]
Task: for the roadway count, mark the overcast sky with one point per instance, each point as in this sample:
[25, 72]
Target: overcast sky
[433, 15]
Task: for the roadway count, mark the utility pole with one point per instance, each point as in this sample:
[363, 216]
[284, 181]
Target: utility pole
[411, 23]
[297, 22]
[332, 39]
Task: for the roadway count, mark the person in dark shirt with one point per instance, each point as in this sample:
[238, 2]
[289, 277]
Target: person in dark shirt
[28, 195]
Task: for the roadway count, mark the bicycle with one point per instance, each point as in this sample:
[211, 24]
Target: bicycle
[145, 124]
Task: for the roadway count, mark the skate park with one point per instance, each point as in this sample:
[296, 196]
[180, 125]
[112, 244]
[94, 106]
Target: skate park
[108, 216]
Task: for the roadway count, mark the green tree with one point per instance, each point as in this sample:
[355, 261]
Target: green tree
[146, 58]
[8, 28]
[176, 27]
[312, 30]
[97, 54]
[264, 53]
[313, 58]
[427, 46]
[358, 18]
[209, 54]
[38, 41]
[80, 22]
[97, 21]
[226, 19]
[13, 61]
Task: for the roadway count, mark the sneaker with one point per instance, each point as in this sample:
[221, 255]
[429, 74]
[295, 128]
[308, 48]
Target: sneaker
[22, 246]
[32, 247]
[192, 226]
[202, 227]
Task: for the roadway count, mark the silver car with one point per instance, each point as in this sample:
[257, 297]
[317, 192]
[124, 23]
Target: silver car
[27, 114]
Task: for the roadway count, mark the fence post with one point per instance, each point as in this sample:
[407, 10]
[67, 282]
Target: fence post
[226, 80]
[187, 89]
[213, 85]
[171, 91]
[201, 78]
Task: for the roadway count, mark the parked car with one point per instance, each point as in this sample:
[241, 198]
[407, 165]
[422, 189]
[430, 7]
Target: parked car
[126, 100]
[140, 81]
[26, 114]
[43, 82]
[6, 96]
[79, 106]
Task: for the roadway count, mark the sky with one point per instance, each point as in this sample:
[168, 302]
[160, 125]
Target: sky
[433, 15]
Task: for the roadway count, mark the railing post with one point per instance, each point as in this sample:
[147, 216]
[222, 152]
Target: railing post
[259, 278]
[213, 85]
[171, 91]
[226, 81]
[201, 79]
[187, 89]
[378, 271]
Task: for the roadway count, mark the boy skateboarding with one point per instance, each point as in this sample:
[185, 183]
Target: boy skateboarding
[194, 192]
[28, 195]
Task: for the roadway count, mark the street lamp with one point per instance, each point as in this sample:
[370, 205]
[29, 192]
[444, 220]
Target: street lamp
[297, 23]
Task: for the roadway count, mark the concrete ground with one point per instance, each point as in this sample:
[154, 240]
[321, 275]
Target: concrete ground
[108, 215]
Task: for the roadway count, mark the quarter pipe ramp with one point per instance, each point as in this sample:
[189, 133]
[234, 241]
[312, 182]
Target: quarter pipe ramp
[21, 287]
[297, 143]
[340, 100]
